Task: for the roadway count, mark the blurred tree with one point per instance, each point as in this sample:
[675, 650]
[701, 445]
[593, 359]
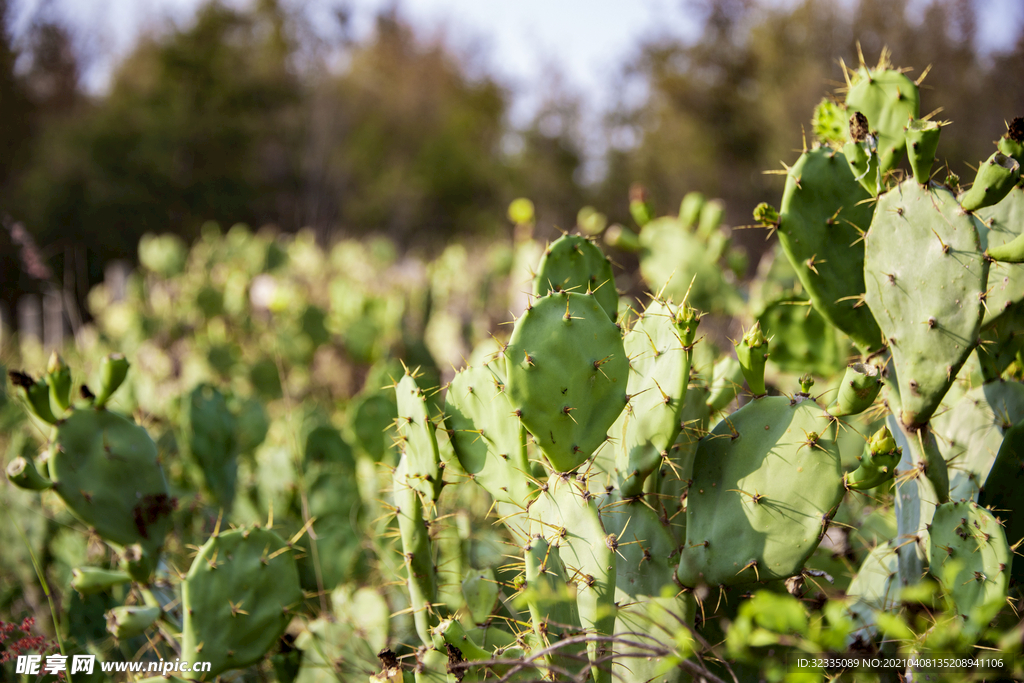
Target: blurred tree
[724, 108]
[192, 129]
[410, 142]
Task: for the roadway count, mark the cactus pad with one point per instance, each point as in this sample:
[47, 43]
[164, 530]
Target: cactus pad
[930, 306]
[238, 598]
[574, 264]
[566, 368]
[766, 481]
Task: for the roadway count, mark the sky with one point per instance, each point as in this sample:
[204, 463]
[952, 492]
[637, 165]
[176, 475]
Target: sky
[524, 42]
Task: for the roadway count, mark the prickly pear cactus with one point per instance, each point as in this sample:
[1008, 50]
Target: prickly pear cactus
[928, 307]
[824, 212]
[567, 372]
[969, 556]
[238, 597]
[766, 483]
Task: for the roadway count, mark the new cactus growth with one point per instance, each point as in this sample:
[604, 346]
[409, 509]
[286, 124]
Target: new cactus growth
[996, 177]
[574, 264]
[922, 143]
[858, 390]
[752, 352]
[878, 466]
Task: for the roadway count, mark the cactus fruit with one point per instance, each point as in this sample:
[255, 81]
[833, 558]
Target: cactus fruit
[23, 473]
[1012, 142]
[128, 622]
[858, 390]
[566, 372]
[58, 378]
[574, 264]
[36, 394]
[969, 538]
[113, 370]
[238, 597]
[821, 220]
[766, 482]
[88, 580]
[930, 330]
[996, 177]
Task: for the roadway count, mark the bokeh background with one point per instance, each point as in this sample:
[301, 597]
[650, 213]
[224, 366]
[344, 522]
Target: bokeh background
[421, 121]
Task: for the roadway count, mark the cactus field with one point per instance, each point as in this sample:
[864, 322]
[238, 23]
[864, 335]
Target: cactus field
[613, 456]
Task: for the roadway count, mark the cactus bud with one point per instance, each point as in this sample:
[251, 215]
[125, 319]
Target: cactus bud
[690, 209]
[752, 352]
[860, 386]
[622, 238]
[87, 580]
[1012, 142]
[922, 141]
[35, 393]
[639, 207]
[23, 473]
[113, 370]
[58, 378]
[687, 319]
[996, 177]
[766, 215]
[128, 622]
[879, 466]
[806, 382]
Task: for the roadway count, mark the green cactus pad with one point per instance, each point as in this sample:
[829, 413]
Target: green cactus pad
[969, 535]
[421, 579]
[658, 346]
[567, 515]
[930, 306]
[489, 440]
[211, 434]
[567, 369]
[972, 432]
[823, 213]
[105, 467]
[671, 258]
[1000, 225]
[238, 598]
[1004, 490]
[418, 438]
[574, 264]
[802, 340]
[765, 482]
[888, 99]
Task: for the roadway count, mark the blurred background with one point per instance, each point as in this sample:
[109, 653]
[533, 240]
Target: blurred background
[420, 121]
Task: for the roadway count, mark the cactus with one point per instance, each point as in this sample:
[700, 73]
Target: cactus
[822, 217]
[766, 483]
[566, 368]
[574, 264]
[887, 98]
[238, 597]
[969, 556]
[930, 331]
